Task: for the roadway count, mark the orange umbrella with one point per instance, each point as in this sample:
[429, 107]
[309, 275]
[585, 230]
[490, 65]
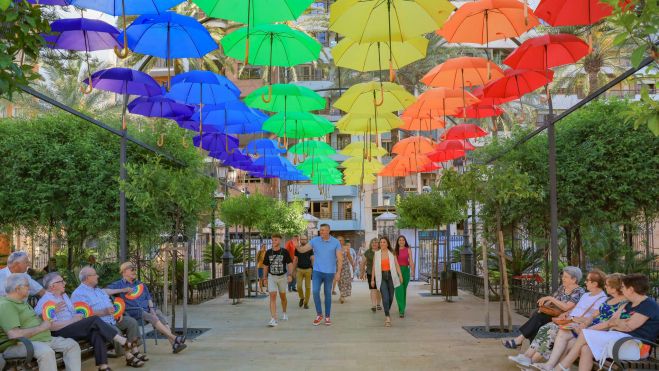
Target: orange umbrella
[445, 155]
[445, 100]
[479, 93]
[422, 123]
[402, 165]
[429, 168]
[413, 145]
[487, 20]
[464, 71]
[454, 145]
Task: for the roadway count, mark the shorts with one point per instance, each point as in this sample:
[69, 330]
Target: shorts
[260, 272]
[372, 287]
[277, 283]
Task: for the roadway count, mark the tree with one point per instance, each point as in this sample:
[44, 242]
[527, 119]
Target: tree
[283, 218]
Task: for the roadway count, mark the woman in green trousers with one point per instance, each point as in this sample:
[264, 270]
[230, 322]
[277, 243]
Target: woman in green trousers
[404, 256]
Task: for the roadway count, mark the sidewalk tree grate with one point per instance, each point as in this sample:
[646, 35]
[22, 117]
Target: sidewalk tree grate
[191, 334]
[494, 333]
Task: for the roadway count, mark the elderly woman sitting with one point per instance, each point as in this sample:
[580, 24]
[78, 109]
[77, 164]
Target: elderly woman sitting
[643, 323]
[67, 323]
[564, 299]
[584, 311]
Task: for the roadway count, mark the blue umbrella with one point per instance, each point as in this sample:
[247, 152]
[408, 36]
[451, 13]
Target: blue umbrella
[159, 106]
[126, 7]
[169, 35]
[263, 147]
[216, 142]
[230, 114]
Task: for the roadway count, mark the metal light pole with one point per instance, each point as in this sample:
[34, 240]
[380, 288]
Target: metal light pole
[227, 258]
[213, 258]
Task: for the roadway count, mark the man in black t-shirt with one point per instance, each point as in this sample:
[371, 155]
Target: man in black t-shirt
[277, 264]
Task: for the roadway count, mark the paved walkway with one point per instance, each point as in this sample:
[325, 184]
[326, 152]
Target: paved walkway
[429, 338]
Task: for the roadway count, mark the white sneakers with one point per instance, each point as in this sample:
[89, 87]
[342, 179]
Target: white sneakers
[521, 359]
[272, 323]
[284, 317]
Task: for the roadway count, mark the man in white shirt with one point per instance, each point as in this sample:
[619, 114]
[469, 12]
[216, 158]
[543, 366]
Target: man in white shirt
[18, 262]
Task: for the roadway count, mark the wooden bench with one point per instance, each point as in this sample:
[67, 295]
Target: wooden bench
[29, 363]
[650, 363]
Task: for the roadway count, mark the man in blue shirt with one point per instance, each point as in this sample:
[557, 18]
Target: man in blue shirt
[328, 256]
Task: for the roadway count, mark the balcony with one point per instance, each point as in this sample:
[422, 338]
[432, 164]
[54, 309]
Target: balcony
[336, 215]
[302, 191]
[339, 221]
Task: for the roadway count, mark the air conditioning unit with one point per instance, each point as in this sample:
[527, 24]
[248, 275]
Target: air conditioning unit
[426, 189]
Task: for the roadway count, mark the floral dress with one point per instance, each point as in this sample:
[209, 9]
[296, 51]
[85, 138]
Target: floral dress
[345, 281]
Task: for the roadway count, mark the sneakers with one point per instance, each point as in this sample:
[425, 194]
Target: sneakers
[272, 323]
[328, 321]
[284, 317]
[301, 302]
[318, 320]
[521, 359]
[306, 306]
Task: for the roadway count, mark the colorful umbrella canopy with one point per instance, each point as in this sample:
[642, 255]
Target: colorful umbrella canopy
[360, 123]
[516, 83]
[124, 81]
[480, 111]
[350, 178]
[367, 97]
[487, 20]
[368, 56]
[440, 100]
[298, 125]
[480, 94]
[312, 148]
[48, 2]
[422, 123]
[202, 87]
[464, 131]
[413, 145]
[159, 106]
[285, 97]
[263, 147]
[271, 45]
[454, 145]
[430, 167]
[403, 165]
[461, 72]
[361, 149]
[82, 34]
[317, 162]
[544, 52]
[439, 155]
[572, 12]
[254, 12]
[216, 142]
[359, 163]
[231, 113]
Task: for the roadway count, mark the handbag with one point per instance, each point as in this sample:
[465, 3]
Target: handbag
[550, 310]
[565, 321]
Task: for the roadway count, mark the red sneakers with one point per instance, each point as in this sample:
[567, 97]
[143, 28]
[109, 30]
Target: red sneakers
[328, 321]
[318, 320]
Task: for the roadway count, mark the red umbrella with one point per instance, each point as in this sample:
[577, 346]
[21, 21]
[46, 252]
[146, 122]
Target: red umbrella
[544, 52]
[480, 111]
[464, 131]
[413, 145]
[445, 155]
[516, 83]
[480, 94]
[430, 167]
[572, 12]
[454, 145]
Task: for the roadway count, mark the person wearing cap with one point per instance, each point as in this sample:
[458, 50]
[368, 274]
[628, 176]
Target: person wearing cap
[141, 305]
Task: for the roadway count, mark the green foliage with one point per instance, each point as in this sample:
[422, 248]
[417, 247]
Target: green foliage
[644, 112]
[283, 218]
[429, 210]
[237, 250]
[640, 22]
[22, 26]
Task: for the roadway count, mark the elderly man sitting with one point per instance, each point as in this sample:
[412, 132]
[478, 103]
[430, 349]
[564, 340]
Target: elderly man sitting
[18, 262]
[101, 304]
[67, 323]
[140, 300]
[18, 320]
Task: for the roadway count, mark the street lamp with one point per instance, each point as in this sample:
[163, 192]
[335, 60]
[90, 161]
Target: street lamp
[216, 196]
[227, 258]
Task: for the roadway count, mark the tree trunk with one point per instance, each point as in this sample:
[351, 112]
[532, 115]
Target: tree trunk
[568, 243]
[579, 247]
[486, 284]
[504, 272]
[592, 82]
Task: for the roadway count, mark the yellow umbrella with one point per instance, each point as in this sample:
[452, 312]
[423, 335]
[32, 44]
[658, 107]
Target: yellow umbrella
[368, 56]
[356, 164]
[360, 123]
[359, 149]
[358, 179]
[373, 97]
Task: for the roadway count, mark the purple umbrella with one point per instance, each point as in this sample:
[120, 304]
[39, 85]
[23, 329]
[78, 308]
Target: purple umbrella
[216, 142]
[81, 34]
[159, 106]
[48, 2]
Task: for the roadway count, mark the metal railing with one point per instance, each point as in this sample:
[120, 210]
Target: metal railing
[471, 283]
[526, 299]
[207, 290]
[336, 215]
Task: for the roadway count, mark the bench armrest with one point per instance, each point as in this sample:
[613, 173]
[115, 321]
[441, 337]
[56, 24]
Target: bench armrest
[29, 348]
[615, 352]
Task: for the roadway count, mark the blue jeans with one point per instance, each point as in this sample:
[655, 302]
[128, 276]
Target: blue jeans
[319, 278]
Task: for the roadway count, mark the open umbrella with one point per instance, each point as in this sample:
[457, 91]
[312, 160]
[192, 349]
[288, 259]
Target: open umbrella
[317, 161]
[413, 145]
[462, 72]
[169, 36]
[454, 145]
[572, 12]
[82, 34]
[312, 148]
[122, 8]
[441, 100]
[48, 2]
[215, 142]
[263, 147]
[464, 131]
[370, 97]
[361, 123]
[229, 114]
[423, 122]
[361, 149]
[479, 111]
[442, 155]
[368, 56]
[516, 83]
[298, 125]
[370, 166]
[544, 52]
[159, 106]
[483, 100]
[286, 97]
[403, 165]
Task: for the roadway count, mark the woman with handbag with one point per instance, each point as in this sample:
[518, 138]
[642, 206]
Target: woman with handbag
[568, 334]
[585, 310]
[386, 275]
[564, 299]
[643, 323]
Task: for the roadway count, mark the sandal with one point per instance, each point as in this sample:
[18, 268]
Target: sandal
[510, 344]
[373, 309]
[178, 347]
[140, 356]
[341, 300]
[180, 339]
[379, 307]
[134, 362]
[387, 323]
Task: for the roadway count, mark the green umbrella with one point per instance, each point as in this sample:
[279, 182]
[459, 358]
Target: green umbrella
[326, 176]
[285, 97]
[298, 125]
[312, 148]
[317, 162]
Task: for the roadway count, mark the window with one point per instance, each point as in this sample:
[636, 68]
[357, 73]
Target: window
[345, 210]
[321, 209]
[309, 73]
[323, 38]
[249, 72]
[342, 140]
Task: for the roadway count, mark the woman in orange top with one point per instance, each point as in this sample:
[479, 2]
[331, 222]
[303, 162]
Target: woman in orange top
[387, 276]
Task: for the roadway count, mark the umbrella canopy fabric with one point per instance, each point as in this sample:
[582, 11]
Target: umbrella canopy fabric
[82, 34]
[430, 167]
[444, 100]
[124, 81]
[361, 149]
[464, 131]
[202, 87]
[439, 155]
[461, 72]
[359, 163]
[357, 179]
[48, 2]
[169, 35]
[298, 125]
[312, 148]
[516, 83]
[366, 97]
[317, 162]
[422, 123]
[479, 111]
[216, 142]
[369, 56]
[480, 94]
[360, 123]
[159, 106]
[413, 145]
[127, 7]
[487, 20]
[454, 145]
[263, 147]
[254, 11]
[388, 20]
[403, 165]
[548, 51]
[285, 98]
[271, 45]
[572, 12]
[231, 113]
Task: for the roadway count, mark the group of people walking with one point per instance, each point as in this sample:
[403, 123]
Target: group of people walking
[327, 261]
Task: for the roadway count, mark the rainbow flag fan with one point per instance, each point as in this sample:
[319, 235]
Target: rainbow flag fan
[119, 308]
[48, 311]
[83, 309]
[136, 293]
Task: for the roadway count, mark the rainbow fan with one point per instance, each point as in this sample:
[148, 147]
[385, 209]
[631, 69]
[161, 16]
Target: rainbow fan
[119, 308]
[83, 309]
[136, 293]
[48, 311]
